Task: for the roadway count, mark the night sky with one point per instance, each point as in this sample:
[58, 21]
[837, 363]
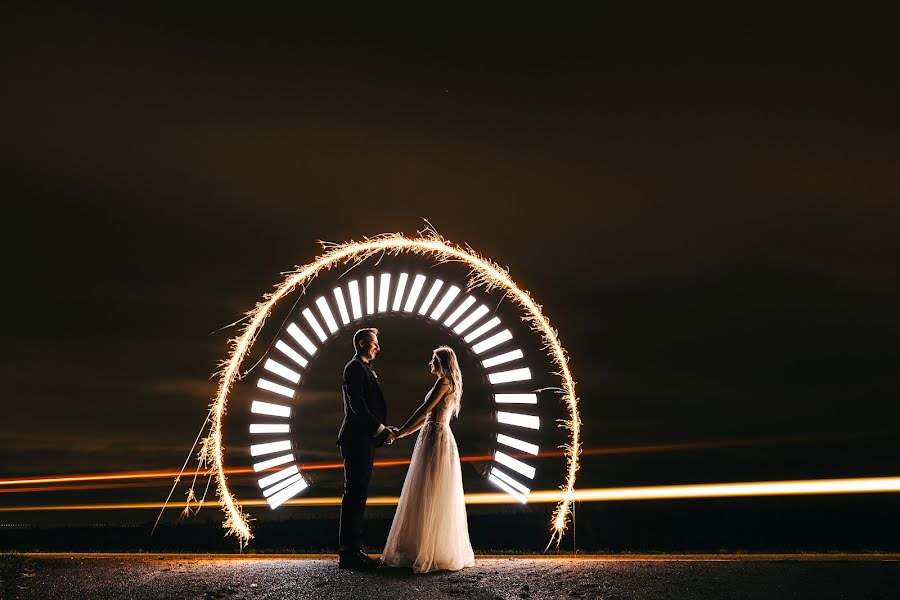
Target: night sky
[704, 200]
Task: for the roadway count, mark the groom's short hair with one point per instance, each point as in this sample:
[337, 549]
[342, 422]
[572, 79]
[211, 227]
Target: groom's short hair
[361, 334]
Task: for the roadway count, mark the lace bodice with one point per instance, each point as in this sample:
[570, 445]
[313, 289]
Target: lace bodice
[442, 412]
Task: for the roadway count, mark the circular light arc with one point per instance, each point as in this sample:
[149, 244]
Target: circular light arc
[483, 273]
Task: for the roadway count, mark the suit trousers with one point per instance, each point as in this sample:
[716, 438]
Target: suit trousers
[358, 460]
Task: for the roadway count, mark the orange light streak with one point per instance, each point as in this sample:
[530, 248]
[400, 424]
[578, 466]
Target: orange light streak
[867, 485]
[168, 474]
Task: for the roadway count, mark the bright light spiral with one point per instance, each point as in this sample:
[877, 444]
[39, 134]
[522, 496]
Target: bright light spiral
[483, 273]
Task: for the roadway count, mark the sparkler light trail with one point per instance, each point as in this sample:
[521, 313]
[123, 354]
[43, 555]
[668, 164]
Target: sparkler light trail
[483, 273]
[866, 485]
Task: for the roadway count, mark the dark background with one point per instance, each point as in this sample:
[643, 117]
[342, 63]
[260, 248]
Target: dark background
[704, 199]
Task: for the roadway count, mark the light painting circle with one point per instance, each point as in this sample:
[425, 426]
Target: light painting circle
[430, 298]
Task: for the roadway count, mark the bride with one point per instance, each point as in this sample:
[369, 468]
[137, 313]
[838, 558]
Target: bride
[430, 532]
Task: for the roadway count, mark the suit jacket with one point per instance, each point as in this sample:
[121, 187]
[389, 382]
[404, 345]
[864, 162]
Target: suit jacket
[364, 407]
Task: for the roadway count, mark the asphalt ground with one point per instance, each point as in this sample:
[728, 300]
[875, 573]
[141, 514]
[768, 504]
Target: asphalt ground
[683, 577]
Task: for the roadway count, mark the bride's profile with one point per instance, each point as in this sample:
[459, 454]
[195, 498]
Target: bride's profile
[430, 531]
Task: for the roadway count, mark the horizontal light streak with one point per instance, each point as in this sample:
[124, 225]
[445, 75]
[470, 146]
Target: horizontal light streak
[276, 388]
[463, 325]
[287, 493]
[279, 369]
[311, 319]
[291, 353]
[301, 339]
[461, 309]
[516, 398]
[517, 444]
[270, 428]
[384, 290]
[439, 310]
[268, 408]
[414, 292]
[481, 330]
[529, 421]
[868, 485]
[285, 411]
[523, 374]
[276, 477]
[515, 464]
[325, 311]
[426, 304]
[342, 305]
[502, 359]
[494, 340]
[401, 287]
[370, 294]
[354, 300]
[270, 447]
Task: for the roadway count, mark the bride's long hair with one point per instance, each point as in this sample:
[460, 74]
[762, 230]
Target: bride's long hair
[449, 368]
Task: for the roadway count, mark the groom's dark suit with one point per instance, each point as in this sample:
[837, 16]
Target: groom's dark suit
[364, 414]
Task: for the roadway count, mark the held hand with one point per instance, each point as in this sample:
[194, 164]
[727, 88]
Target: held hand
[391, 436]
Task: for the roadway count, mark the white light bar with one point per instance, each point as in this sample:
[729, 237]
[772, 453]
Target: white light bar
[370, 294]
[291, 353]
[286, 494]
[506, 487]
[519, 420]
[301, 338]
[459, 311]
[414, 291]
[494, 340]
[502, 358]
[426, 304]
[281, 370]
[276, 477]
[507, 376]
[326, 314]
[516, 398]
[514, 464]
[342, 306]
[452, 293]
[482, 330]
[280, 486]
[311, 319]
[270, 447]
[398, 295]
[517, 444]
[384, 290]
[354, 300]
[273, 462]
[506, 477]
[270, 428]
[275, 387]
[267, 408]
[470, 320]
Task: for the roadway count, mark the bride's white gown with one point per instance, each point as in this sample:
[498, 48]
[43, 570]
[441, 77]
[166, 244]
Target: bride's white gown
[430, 531]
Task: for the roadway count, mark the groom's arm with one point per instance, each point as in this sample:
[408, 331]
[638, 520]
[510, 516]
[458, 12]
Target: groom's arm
[354, 380]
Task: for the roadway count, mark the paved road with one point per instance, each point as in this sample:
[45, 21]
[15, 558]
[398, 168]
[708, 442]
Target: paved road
[140, 577]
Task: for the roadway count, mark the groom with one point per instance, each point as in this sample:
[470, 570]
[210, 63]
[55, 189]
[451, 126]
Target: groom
[362, 431]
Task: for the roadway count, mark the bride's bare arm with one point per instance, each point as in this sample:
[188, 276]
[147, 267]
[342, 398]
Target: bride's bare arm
[441, 387]
[412, 428]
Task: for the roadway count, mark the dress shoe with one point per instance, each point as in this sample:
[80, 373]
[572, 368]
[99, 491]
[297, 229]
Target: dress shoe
[357, 561]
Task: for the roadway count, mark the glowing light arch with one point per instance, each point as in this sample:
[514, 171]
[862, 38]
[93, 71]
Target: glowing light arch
[484, 274]
[484, 333]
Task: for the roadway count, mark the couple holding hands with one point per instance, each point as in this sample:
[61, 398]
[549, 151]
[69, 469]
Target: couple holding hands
[429, 531]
